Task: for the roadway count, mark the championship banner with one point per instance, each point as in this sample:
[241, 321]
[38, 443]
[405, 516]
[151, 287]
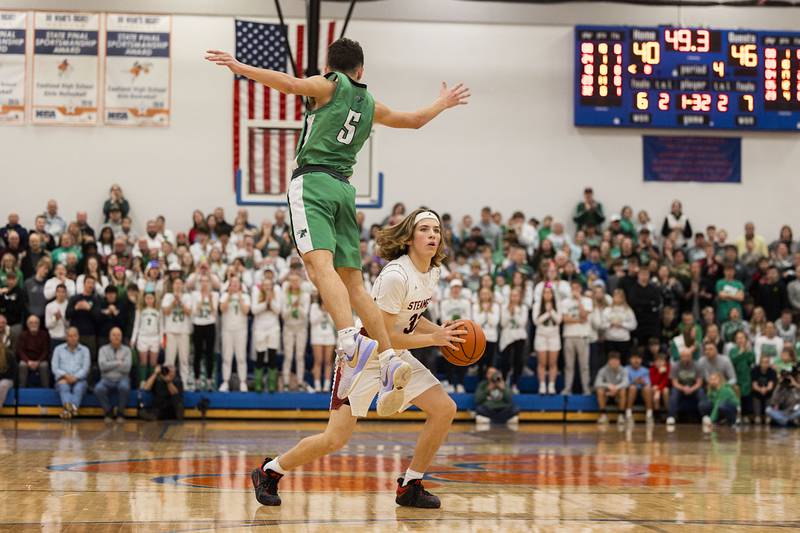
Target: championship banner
[65, 68]
[137, 89]
[12, 67]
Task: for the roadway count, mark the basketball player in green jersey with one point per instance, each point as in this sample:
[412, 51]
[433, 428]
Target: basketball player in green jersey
[322, 201]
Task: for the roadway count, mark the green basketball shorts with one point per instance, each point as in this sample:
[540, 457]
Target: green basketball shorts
[322, 211]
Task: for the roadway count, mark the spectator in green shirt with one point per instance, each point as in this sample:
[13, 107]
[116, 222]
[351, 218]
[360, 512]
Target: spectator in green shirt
[493, 401]
[689, 340]
[784, 362]
[743, 359]
[587, 213]
[721, 404]
[730, 292]
[67, 247]
[626, 222]
[733, 325]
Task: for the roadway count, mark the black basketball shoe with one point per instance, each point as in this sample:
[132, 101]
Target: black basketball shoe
[266, 484]
[415, 495]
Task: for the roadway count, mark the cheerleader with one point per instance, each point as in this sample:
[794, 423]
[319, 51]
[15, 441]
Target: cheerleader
[177, 309]
[323, 340]
[487, 313]
[513, 335]
[294, 310]
[266, 308]
[234, 306]
[547, 342]
[146, 336]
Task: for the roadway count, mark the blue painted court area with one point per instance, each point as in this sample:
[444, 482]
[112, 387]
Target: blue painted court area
[294, 400]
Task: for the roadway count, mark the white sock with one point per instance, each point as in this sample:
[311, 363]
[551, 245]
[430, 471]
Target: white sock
[275, 466]
[384, 357]
[649, 413]
[411, 475]
[628, 412]
[346, 341]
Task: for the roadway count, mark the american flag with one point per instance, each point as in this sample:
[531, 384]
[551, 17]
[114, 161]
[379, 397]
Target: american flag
[271, 151]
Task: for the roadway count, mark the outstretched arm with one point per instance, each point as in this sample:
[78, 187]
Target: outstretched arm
[314, 87]
[448, 97]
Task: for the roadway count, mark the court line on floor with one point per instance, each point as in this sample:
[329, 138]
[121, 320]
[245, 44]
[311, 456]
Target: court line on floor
[793, 524]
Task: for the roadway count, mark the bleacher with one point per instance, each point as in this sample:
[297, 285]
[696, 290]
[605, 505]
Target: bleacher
[303, 406]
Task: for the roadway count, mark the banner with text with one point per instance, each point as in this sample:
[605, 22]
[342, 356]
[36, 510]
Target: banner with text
[703, 159]
[12, 67]
[137, 89]
[65, 68]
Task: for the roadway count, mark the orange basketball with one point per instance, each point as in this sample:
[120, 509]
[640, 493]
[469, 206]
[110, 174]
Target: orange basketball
[471, 350]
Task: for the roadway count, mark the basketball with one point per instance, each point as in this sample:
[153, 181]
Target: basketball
[469, 351]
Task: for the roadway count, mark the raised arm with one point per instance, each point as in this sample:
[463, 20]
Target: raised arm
[314, 87]
[448, 97]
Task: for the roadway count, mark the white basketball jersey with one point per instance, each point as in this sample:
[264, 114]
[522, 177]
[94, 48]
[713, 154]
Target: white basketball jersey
[404, 291]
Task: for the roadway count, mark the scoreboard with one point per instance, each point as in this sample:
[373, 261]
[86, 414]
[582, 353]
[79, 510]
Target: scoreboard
[668, 77]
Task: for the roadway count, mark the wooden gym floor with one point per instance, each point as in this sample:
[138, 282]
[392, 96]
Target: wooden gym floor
[85, 475]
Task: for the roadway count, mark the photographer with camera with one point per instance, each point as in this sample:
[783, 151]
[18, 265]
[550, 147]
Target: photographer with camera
[167, 392]
[784, 406]
[493, 403]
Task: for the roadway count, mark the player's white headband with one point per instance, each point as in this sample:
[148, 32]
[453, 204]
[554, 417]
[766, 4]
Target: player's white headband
[425, 215]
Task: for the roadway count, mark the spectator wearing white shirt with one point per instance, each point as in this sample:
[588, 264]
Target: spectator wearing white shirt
[527, 236]
[274, 261]
[234, 305]
[166, 234]
[201, 247]
[769, 343]
[146, 336]
[454, 307]
[618, 323]
[153, 238]
[205, 303]
[600, 300]
[55, 320]
[487, 314]
[152, 281]
[92, 269]
[513, 335]
[547, 342]
[54, 224]
[323, 340]
[266, 308]
[59, 278]
[576, 311]
[177, 309]
[560, 286]
[250, 255]
[294, 310]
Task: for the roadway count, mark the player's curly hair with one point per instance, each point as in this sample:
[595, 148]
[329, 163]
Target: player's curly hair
[345, 55]
[393, 242]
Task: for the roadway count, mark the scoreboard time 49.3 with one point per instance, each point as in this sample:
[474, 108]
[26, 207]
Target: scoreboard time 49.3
[667, 77]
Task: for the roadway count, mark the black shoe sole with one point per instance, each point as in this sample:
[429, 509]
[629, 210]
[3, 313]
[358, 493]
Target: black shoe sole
[438, 506]
[255, 478]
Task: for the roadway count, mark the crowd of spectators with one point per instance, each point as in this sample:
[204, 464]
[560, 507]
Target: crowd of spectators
[688, 322]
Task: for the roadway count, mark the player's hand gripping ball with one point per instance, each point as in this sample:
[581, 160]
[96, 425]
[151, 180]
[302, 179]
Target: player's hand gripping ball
[469, 351]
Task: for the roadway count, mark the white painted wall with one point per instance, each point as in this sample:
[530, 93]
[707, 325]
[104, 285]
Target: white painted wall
[513, 147]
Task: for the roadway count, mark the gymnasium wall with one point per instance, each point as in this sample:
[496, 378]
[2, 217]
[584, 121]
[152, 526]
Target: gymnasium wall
[513, 147]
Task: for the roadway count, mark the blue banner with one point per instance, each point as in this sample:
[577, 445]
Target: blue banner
[703, 159]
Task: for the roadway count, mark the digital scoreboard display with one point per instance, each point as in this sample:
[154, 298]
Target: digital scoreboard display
[667, 77]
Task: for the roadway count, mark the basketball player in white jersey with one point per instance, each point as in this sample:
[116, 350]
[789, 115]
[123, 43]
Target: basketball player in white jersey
[403, 291]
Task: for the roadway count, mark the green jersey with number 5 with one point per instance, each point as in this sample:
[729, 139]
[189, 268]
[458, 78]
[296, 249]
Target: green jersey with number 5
[334, 133]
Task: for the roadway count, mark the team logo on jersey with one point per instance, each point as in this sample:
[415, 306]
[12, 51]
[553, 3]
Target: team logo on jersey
[302, 233]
